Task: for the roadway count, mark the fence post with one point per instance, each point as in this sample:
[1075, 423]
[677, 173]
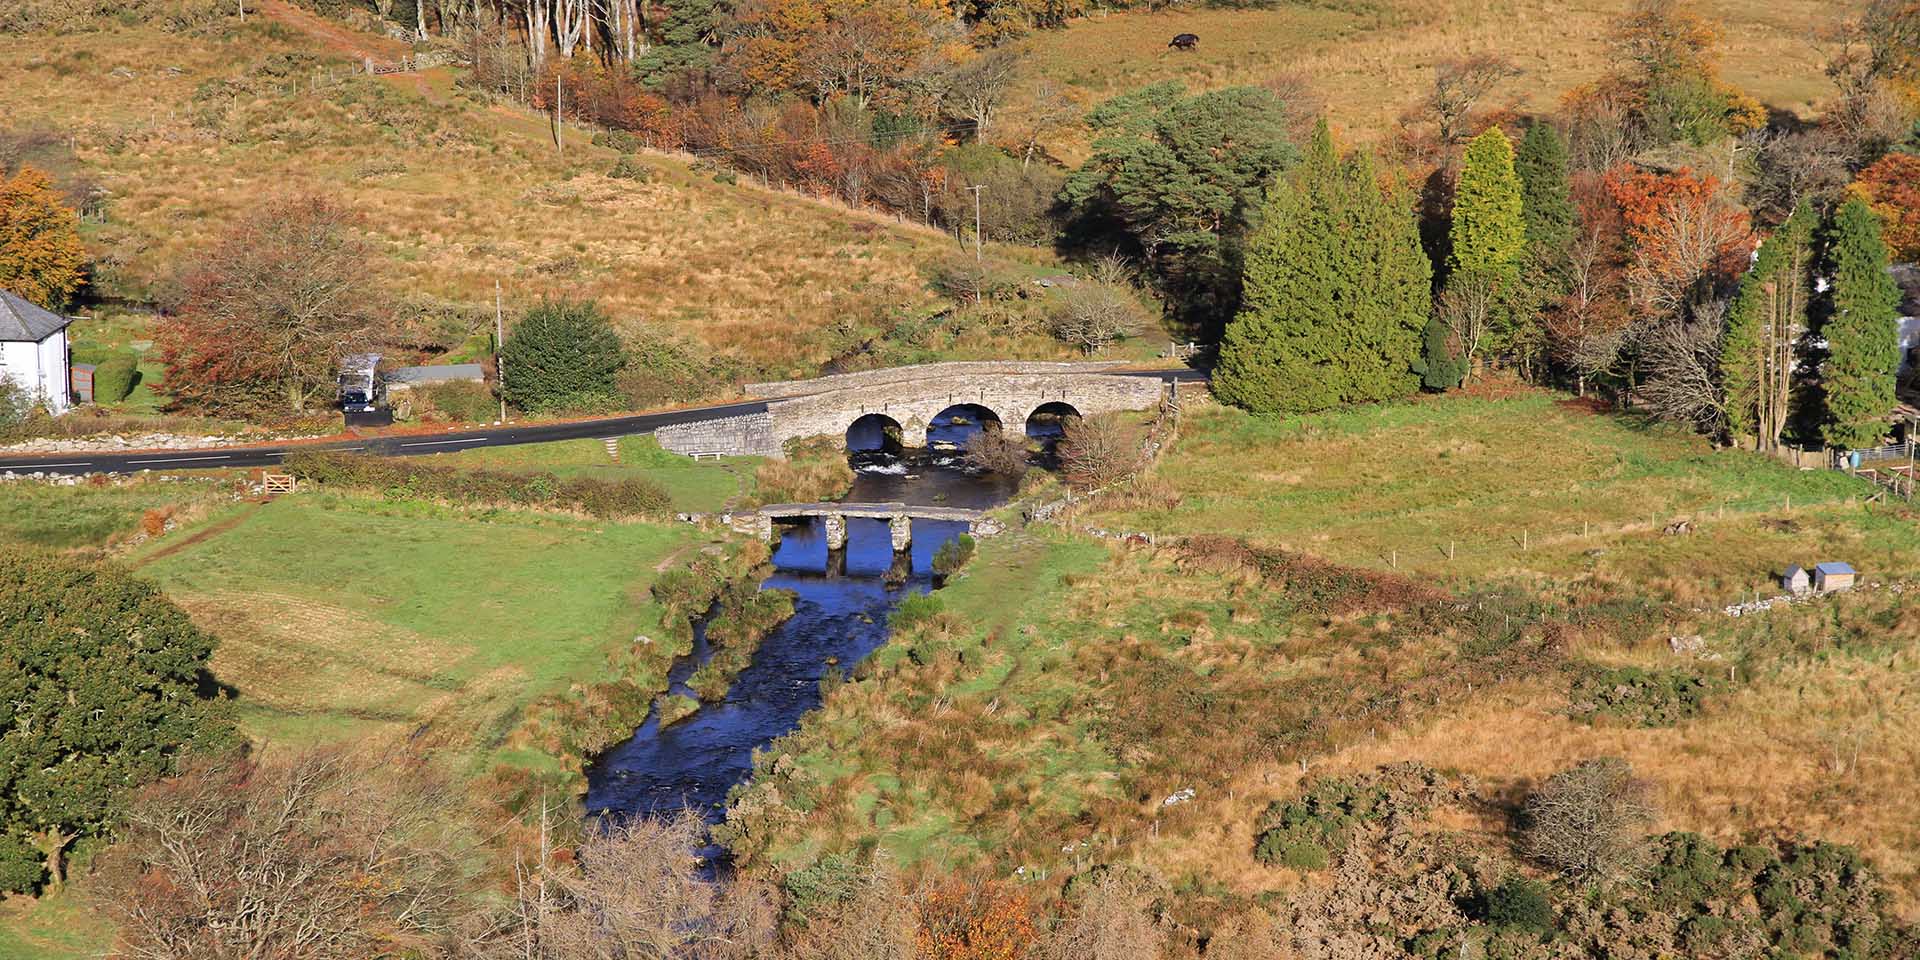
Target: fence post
[1449, 550]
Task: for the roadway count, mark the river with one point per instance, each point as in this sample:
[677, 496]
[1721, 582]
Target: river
[840, 616]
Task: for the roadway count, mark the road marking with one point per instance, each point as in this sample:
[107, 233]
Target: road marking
[182, 459]
[434, 443]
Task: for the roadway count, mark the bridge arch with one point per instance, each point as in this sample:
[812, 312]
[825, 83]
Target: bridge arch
[957, 422]
[875, 433]
[1047, 422]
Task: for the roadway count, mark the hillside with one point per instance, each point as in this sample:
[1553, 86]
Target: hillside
[185, 130]
[1372, 59]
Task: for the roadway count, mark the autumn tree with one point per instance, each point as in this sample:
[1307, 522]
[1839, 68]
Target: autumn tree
[1891, 188]
[1760, 356]
[1667, 61]
[1863, 346]
[974, 921]
[102, 676]
[1586, 327]
[269, 310]
[1687, 237]
[40, 255]
[1337, 292]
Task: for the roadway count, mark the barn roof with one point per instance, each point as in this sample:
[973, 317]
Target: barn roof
[21, 319]
[1832, 567]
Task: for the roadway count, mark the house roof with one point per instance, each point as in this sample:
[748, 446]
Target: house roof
[21, 319]
[437, 374]
[1832, 567]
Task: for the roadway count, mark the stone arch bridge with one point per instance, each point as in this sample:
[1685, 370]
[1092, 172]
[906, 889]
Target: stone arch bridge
[912, 397]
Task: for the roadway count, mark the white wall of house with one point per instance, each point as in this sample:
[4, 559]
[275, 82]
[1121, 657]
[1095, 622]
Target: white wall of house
[41, 368]
[1909, 340]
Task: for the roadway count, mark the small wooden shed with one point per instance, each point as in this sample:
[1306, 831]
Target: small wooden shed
[1831, 576]
[1796, 580]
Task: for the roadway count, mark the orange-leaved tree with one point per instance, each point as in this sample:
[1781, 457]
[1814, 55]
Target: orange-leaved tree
[1687, 234]
[966, 921]
[40, 255]
[1891, 187]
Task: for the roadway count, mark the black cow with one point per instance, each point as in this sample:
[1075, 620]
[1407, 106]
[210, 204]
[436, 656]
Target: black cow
[1185, 41]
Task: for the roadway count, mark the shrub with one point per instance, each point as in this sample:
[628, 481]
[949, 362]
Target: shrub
[631, 496]
[969, 280]
[666, 369]
[953, 555]
[829, 882]
[1521, 903]
[22, 869]
[1646, 698]
[998, 451]
[562, 355]
[630, 168]
[113, 378]
[1586, 821]
[1096, 451]
[916, 609]
[619, 140]
[462, 400]
[1303, 855]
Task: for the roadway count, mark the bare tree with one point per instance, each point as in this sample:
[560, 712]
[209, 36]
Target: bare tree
[1092, 315]
[1114, 921]
[1096, 451]
[1589, 820]
[640, 894]
[973, 91]
[321, 855]
[998, 450]
[1458, 86]
[1470, 307]
[1682, 363]
[1054, 109]
[874, 922]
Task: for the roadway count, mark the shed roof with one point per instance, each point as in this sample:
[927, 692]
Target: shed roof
[436, 374]
[21, 319]
[1832, 567]
[1794, 571]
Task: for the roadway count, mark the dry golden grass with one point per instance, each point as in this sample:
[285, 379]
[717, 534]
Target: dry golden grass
[456, 195]
[1372, 61]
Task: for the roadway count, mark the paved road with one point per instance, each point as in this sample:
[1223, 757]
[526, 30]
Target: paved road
[213, 458]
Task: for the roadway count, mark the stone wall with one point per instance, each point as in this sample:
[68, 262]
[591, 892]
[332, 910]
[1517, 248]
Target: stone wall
[925, 372]
[749, 435]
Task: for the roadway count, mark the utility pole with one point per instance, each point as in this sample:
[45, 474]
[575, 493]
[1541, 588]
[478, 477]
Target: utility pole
[243, 11]
[975, 189]
[499, 362]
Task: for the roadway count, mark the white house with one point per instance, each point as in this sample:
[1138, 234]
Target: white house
[33, 351]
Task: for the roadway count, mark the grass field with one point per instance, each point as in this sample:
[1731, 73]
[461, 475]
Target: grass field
[186, 132]
[87, 516]
[702, 486]
[1063, 689]
[349, 617]
[1527, 486]
[1372, 60]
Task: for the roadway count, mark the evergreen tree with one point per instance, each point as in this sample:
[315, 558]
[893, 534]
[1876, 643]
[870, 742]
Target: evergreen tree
[1546, 194]
[1863, 346]
[1758, 354]
[1489, 244]
[1336, 291]
[562, 355]
[1489, 229]
[102, 678]
[1441, 366]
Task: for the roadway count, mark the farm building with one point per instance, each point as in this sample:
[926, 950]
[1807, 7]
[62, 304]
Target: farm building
[33, 351]
[1796, 580]
[1831, 576]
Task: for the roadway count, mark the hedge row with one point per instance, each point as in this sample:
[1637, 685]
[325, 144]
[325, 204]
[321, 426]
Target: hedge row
[113, 378]
[601, 498]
